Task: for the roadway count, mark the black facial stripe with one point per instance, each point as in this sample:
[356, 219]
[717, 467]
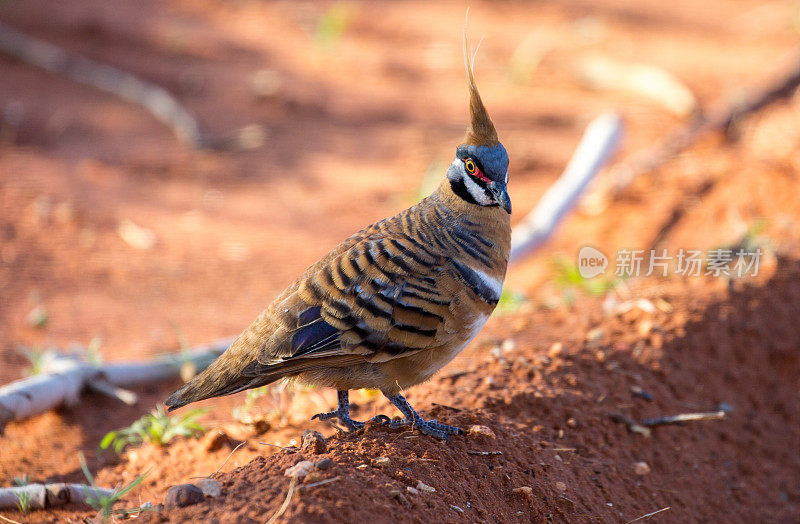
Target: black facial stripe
[460, 189]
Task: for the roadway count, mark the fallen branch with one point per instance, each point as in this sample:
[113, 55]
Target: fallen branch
[155, 99]
[643, 426]
[66, 376]
[621, 176]
[599, 142]
[41, 496]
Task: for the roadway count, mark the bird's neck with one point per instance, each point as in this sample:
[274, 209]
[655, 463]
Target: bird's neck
[491, 223]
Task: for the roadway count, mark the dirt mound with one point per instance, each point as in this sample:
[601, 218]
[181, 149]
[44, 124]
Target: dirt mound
[556, 454]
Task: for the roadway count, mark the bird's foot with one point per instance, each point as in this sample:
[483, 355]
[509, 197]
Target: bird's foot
[414, 421]
[426, 427]
[342, 413]
[344, 418]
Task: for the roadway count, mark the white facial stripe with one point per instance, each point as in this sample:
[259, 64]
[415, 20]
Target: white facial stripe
[477, 192]
[492, 283]
[506, 182]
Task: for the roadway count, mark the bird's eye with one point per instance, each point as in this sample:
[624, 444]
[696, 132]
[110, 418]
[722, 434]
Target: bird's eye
[470, 165]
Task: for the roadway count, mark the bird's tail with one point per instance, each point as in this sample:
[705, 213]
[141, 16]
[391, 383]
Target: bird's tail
[223, 377]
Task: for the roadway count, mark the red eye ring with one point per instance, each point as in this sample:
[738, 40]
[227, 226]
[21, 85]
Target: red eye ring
[473, 170]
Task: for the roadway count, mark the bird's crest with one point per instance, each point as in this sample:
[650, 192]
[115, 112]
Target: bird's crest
[480, 130]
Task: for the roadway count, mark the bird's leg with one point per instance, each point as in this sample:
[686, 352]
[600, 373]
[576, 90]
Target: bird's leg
[412, 418]
[342, 413]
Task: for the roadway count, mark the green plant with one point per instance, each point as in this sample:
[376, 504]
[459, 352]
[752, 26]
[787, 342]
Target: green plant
[24, 480]
[510, 301]
[569, 279]
[104, 504]
[24, 502]
[156, 428]
[39, 359]
[332, 24]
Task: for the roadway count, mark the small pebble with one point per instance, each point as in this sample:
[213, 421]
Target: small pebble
[324, 464]
[398, 495]
[183, 495]
[361, 466]
[424, 487]
[210, 487]
[560, 486]
[313, 442]
[301, 469]
[413, 491]
[481, 431]
[508, 345]
[524, 491]
[555, 350]
[641, 468]
[381, 461]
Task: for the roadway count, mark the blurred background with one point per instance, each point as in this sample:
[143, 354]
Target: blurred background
[163, 203]
[332, 115]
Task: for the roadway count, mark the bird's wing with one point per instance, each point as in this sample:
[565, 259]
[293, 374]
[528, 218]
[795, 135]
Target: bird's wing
[383, 297]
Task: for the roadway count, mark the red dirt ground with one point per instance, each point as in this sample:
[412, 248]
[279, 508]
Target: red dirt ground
[358, 121]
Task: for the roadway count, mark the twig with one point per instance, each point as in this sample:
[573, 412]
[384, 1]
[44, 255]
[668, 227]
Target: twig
[292, 449]
[286, 502]
[110, 390]
[47, 495]
[622, 175]
[633, 426]
[648, 515]
[320, 483]
[644, 426]
[599, 142]
[10, 520]
[226, 461]
[65, 377]
[483, 453]
[684, 417]
[155, 99]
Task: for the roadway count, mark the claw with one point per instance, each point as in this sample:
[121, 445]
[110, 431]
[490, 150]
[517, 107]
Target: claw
[342, 413]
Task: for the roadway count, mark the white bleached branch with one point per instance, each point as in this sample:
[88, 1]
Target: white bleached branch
[599, 142]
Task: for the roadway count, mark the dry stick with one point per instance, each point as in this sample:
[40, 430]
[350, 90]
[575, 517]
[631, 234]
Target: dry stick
[622, 175]
[42, 496]
[649, 515]
[155, 99]
[223, 464]
[66, 376]
[598, 143]
[10, 520]
[286, 502]
[644, 426]
[483, 453]
[320, 483]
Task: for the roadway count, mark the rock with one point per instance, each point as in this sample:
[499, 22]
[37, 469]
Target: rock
[424, 487]
[641, 468]
[508, 345]
[301, 469]
[381, 461]
[525, 492]
[324, 464]
[216, 439]
[412, 490]
[398, 495]
[481, 431]
[555, 350]
[183, 495]
[210, 487]
[313, 442]
[560, 486]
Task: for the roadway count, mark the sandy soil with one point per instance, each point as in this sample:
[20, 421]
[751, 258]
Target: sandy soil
[359, 118]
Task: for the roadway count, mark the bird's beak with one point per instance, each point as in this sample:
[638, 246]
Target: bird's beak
[500, 192]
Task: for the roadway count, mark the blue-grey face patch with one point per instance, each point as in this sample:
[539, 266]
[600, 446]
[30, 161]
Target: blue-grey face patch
[494, 159]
